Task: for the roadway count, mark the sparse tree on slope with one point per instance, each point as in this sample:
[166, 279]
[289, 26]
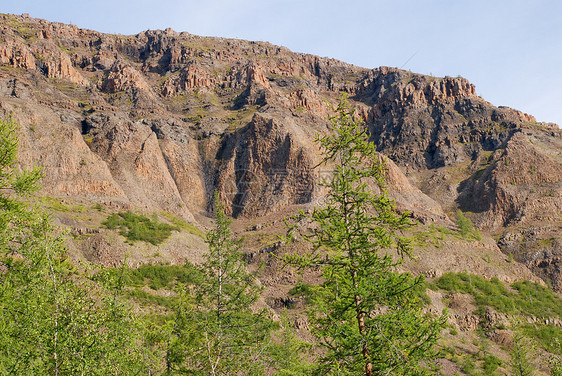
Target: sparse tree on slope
[365, 314]
[521, 354]
[217, 333]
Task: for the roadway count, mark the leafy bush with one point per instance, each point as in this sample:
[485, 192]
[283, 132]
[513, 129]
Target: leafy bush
[491, 363]
[302, 289]
[112, 222]
[155, 276]
[158, 276]
[139, 227]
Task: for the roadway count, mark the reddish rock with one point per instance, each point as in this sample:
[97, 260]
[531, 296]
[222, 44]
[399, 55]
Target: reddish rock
[161, 120]
[123, 77]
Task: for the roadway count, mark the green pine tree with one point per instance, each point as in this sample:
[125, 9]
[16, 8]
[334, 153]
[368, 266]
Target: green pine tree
[365, 314]
[217, 332]
[521, 355]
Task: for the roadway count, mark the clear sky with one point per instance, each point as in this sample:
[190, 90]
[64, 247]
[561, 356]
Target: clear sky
[510, 49]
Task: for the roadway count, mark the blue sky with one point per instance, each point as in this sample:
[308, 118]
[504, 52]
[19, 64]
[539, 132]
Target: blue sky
[511, 50]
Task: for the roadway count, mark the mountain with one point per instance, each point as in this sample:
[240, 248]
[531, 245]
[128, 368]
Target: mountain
[159, 121]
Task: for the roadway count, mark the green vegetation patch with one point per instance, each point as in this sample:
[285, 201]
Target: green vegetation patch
[139, 227]
[147, 299]
[60, 205]
[158, 276]
[24, 29]
[183, 225]
[549, 336]
[302, 290]
[526, 298]
[491, 363]
[63, 84]
[432, 235]
[466, 228]
[155, 276]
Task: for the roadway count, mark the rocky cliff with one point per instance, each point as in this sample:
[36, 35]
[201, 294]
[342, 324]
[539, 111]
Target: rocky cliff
[161, 120]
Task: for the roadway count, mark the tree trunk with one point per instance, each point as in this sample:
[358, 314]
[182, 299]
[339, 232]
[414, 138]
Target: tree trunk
[362, 330]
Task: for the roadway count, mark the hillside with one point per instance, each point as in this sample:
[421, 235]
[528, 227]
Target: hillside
[159, 121]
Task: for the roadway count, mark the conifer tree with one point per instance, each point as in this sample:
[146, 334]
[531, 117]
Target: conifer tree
[365, 314]
[521, 355]
[216, 332]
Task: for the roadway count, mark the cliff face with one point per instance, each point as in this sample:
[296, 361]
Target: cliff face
[161, 120]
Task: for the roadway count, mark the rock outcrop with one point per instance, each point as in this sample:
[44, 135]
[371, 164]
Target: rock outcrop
[266, 165]
[522, 186]
[161, 120]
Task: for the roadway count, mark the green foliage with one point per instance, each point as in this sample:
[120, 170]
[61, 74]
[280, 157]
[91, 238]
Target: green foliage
[288, 351]
[59, 205]
[538, 300]
[555, 364]
[215, 330]
[433, 235]
[468, 366]
[521, 356]
[419, 292]
[466, 228]
[99, 207]
[113, 221]
[162, 276]
[303, 290]
[548, 336]
[183, 225]
[529, 298]
[20, 183]
[52, 322]
[491, 363]
[480, 363]
[365, 315]
[139, 227]
[155, 276]
[148, 299]
[524, 298]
